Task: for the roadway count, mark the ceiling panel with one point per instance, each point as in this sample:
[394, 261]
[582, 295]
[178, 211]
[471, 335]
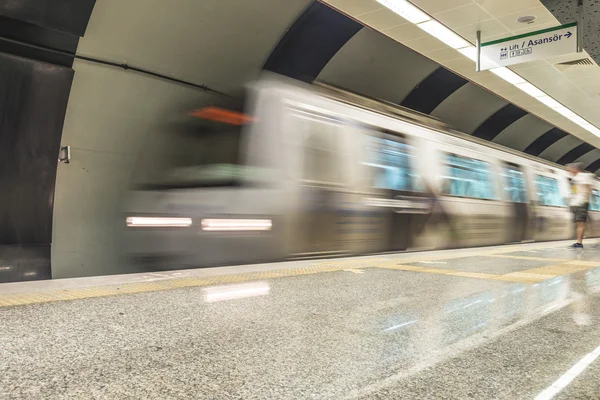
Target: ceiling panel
[589, 158]
[382, 19]
[543, 18]
[375, 65]
[172, 40]
[442, 55]
[476, 106]
[523, 132]
[490, 30]
[560, 148]
[546, 140]
[463, 16]
[355, 7]
[499, 8]
[405, 33]
[437, 6]
[426, 43]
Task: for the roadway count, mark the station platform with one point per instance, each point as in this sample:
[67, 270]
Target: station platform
[507, 322]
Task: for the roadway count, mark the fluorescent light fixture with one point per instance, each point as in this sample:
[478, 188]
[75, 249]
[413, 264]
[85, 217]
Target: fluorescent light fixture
[444, 34]
[530, 89]
[233, 292]
[507, 75]
[565, 112]
[549, 101]
[222, 225]
[469, 52]
[568, 376]
[579, 121]
[158, 222]
[406, 10]
[594, 131]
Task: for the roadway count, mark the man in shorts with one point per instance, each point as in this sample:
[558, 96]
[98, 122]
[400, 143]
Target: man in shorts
[581, 190]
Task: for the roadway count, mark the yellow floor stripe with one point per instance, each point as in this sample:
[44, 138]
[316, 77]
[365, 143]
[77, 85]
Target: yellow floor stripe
[533, 275]
[527, 258]
[18, 299]
[440, 271]
[527, 276]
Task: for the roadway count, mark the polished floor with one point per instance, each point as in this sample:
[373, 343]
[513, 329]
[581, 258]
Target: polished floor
[510, 322]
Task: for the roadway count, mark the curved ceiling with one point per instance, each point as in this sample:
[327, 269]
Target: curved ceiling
[368, 62]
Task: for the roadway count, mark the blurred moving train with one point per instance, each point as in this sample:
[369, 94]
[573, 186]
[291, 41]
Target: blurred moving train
[314, 171]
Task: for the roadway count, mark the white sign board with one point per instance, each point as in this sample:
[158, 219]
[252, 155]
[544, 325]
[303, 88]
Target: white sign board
[530, 46]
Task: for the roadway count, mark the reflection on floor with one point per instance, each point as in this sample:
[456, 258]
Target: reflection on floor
[511, 322]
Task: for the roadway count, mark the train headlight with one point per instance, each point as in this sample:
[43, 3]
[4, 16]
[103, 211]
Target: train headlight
[236, 225]
[158, 222]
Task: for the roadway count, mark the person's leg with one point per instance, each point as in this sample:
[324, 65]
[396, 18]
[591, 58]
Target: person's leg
[580, 231]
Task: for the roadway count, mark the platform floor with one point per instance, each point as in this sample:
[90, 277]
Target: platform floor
[509, 322]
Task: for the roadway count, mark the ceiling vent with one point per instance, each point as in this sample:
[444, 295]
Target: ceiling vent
[583, 62]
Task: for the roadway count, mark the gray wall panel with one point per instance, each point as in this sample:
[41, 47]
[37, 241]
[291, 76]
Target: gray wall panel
[468, 108]
[523, 132]
[377, 66]
[560, 148]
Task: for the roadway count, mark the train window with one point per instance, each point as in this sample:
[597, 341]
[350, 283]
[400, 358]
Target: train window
[198, 152]
[322, 161]
[514, 185]
[595, 202]
[548, 192]
[468, 177]
[391, 163]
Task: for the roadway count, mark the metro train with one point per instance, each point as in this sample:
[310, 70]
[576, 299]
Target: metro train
[311, 171]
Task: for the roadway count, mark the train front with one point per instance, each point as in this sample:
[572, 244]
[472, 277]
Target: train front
[195, 200]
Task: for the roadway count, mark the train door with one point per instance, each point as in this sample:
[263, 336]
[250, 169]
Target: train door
[398, 197]
[516, 194]
[316, 161]
[553, 219]
[477, 217]
[593, 226]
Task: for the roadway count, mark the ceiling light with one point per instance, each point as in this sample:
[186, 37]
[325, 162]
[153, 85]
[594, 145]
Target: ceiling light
[594, 130]
[444, 34]
[579, 121]
[549, 101]
[530, 89]
[564, 111]
[406, 10]
[507, 75]
[469, 52]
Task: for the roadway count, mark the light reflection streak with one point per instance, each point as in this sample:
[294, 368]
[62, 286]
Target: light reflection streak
[233, 292]
[568, 376]
[395, 327]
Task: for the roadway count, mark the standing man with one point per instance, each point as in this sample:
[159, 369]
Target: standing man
[581, 190]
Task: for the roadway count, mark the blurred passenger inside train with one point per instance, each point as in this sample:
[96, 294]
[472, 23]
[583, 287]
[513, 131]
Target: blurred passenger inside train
[581, 190]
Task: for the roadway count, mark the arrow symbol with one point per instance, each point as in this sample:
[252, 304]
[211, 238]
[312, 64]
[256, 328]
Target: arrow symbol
[568, 34]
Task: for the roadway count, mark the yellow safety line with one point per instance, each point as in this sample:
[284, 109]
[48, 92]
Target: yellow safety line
[526, 276]
[527, 258]
[17, 299]
[533, 275]
[440, 271]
